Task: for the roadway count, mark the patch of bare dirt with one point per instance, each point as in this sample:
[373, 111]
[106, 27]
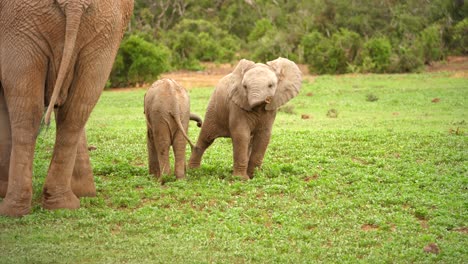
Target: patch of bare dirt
[213, 72]
[452, 63]
[208, 77]
[457, 65]
[369, 227]
[462, 230]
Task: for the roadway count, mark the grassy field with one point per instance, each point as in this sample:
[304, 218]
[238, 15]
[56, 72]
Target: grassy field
[382, 178]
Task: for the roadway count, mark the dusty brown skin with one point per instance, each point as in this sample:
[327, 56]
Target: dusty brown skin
[55, 53]
[243, 107]
[167, 111]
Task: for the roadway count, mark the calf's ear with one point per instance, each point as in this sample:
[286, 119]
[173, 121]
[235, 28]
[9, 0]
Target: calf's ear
[289, 82]
[237, 93]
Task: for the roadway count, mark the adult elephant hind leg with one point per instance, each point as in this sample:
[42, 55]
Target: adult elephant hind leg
[5, 144]
[90, 75]
[82, 182]
[24, 97]
[57, 192]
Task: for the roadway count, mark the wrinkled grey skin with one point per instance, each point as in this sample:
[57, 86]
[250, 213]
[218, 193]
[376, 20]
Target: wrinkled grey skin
[167, 111]
[55, 53]
[243, 107]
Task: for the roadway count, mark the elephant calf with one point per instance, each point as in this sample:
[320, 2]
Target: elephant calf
[167, 111]
[243, 107]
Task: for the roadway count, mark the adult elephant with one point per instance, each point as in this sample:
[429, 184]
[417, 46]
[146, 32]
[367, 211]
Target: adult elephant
[243, 107]
[55, 53]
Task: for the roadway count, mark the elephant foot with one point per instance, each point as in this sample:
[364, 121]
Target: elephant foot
[3, 188]
[195, 158]
[243, 176]
[194, 163]
[83, 188]
[250, 173]
[180, 176]
[62, 200]
[14, 208]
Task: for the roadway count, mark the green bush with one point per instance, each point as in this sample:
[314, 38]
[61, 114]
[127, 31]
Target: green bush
[331, 55]
[262, 26]
[192, 41]
[138, 61]
[431, 41]
[184, 48]
[350, 42]
[460, 37]
[376, 55]
[272, 45]
[407, 57]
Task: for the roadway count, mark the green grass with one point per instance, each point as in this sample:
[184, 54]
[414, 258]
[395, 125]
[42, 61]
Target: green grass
[376, 184]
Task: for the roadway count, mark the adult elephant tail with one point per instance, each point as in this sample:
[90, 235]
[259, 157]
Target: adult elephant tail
[73, 12]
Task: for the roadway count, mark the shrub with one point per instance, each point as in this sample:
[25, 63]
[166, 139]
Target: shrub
[431, 41]
[407, 57]
[138, 61]
[376, 55]
[271, 46]
[331, 55]
[184, 51]
[460, 37]
[262, 26]
[350, 42]
[192, 41]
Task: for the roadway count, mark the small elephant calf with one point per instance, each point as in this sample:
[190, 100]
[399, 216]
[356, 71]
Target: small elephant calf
[243, 107]
[167, 111]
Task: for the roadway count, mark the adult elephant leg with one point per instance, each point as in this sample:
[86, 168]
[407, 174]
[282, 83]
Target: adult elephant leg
[57, 192]
[24, 97]
[259, 145]
[179, 147]
[5, 144]
[82, 182]
[90, 75]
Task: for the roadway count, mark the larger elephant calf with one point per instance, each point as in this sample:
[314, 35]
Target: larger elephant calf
[243, 107]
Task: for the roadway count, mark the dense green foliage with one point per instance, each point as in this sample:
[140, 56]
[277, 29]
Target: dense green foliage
[331, 36]
[138, 61]
[377, 183]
